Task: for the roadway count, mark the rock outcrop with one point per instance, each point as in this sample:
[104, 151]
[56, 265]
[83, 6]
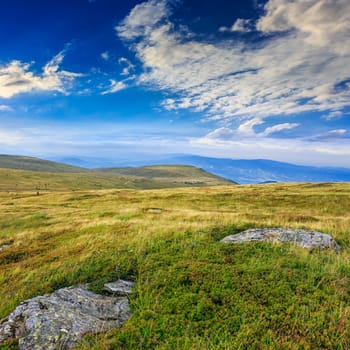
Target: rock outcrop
[301, 238]
[59, 320]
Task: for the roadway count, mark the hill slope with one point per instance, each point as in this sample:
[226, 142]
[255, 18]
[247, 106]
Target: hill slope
[176, 174]
[36, 164]
[25, 180]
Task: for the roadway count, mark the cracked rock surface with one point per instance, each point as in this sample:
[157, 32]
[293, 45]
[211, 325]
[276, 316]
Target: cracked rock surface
[301, 238]
[59, 320]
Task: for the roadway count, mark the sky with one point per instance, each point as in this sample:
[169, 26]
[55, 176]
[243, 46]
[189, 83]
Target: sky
[123, 80]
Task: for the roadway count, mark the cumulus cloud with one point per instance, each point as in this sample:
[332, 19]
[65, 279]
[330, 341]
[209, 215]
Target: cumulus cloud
[247, 128]
[16, 78]
[322, 22]
[301, 70]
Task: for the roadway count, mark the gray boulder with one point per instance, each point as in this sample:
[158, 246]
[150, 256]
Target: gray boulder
[301, 238]
[59, 320]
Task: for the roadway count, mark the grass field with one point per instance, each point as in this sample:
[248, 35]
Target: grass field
[191, 291]
[23, 180]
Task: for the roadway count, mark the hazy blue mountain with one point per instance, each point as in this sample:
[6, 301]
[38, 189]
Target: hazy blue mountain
[256, 170]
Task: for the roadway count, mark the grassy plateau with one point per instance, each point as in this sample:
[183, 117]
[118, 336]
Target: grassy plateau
[192, 292]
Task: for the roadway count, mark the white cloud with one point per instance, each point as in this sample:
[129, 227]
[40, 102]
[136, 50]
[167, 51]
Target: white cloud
[221, 134]
[283, 75]
[333, 115]
[105, 55]
[10, 137]
[330, 135]
[115, 86]
[5, 108]
[241, 25]
[142, 19]
[299, 151]
[16, 78]
[322, 22]
[246, 130]
[279, 127]
[128, 67]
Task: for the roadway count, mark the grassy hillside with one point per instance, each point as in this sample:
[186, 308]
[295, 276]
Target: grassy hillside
[191, 291]
[22, 180]
[183, 174]
[36, 164]
[38, 174]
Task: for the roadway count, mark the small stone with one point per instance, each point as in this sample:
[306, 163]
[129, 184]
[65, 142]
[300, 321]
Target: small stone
[154, 210]
[120, 287]
[4, 246]
[301, 238]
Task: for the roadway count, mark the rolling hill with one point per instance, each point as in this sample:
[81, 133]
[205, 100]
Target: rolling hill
[37, 164]
[176, 174]
[25, 173]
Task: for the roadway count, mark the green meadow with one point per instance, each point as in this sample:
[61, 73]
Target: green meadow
[192, 292]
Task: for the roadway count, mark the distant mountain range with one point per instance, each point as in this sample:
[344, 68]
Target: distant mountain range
[235, 170]
[255, 171]
[263, 171]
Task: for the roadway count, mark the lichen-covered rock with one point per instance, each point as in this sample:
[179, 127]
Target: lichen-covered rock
[59, 320]
[302, 238]
[120, 287]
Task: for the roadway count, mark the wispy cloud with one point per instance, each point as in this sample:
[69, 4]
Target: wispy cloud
[279, 127]
[300, 70]
[333, 115]
[105, 55]
[5, 108]
[241, 25]
[246, 130]
[330, 135]
[16, 78]
[128, 67]
[299, 151]
[115, 86]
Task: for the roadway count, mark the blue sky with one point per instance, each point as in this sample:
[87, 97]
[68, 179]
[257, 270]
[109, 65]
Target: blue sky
[126, 80]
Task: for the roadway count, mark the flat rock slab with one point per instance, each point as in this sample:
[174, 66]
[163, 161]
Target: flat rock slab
[121, 287]
[301, 238]
[59, 320]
